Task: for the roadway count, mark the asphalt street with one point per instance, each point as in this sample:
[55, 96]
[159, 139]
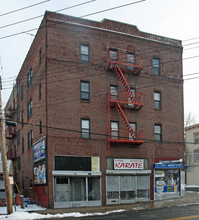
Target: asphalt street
[166, 213]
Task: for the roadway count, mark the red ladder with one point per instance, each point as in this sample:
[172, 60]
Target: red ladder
[125, 84]
[125, 120]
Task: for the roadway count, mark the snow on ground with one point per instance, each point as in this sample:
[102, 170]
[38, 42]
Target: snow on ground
[24, 213]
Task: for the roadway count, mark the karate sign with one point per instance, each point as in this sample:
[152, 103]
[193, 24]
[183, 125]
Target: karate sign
[128, 164]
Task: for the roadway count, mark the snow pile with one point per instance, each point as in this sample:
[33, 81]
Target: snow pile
[24, 214]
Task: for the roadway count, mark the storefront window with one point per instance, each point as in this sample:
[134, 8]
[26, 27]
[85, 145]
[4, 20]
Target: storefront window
[143, 193]
[94, 188]
[61, 189]
[78, 189]
[167, 180]
[127, 187]
[112, 187]
[127, 195]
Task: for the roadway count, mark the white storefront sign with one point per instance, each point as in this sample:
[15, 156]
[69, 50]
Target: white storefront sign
[130, 164]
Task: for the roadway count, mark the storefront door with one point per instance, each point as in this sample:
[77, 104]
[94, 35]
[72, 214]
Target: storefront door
[77, 191]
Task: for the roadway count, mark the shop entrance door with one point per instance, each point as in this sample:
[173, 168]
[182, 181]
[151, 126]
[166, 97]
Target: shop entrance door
[78, 191]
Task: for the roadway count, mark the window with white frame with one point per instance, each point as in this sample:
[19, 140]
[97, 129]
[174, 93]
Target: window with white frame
[130, 60]
[134, 127]
[157, 100]
[196, 138]
[84, 53]
[196, 156]
[114, 130]
[30, 138]
[85, 128]
[113, 92]
[158, 132]
[156, 66]
[29, 78]
[29, 109]
[85, 90]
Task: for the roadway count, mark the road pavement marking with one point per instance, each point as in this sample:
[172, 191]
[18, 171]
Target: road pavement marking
[186, 217]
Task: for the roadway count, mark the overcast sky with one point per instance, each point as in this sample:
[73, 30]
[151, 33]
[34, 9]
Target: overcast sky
[170, 18]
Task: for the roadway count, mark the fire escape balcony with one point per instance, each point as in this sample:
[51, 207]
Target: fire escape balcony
[10, 155]
[124, 100]
[128, 62]
[10, 133]
[123, 136]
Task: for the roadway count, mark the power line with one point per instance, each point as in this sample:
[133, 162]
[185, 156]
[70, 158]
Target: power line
[99, 134]
[110, 9]
[39, 16]
[11, 35]
[20, 9]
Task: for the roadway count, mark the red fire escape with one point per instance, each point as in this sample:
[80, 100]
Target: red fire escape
[123, 63]
[10, 132]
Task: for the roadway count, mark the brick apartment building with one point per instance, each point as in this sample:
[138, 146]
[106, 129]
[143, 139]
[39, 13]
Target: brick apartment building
[97, 104]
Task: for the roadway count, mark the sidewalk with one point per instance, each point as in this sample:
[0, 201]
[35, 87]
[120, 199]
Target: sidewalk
[189, 199]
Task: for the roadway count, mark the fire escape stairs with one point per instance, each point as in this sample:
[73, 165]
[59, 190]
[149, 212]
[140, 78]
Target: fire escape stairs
[130, 94]
[125, 120]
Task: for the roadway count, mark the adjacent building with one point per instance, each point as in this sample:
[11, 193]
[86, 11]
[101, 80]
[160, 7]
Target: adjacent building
[98, 105]
[192, 154]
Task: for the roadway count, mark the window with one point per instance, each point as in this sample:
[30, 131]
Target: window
[30, 139]
[114, 130]
[157, 100]
[134, 127]
[130, 60]
[130, 103]
[112, 57]
[29, 109]
[21, 92]
[19, 163]
[85, 128]
[84, 53]
[156, 66]
[158, 132]
[40, 56]
[18, 87]
[196, 138]
[196, 156]
[22, 118]
[39, 91]
[29, 78]
[18, 112]
[85, 91]
[22, 143]
[40, 127]
[18, 137]
[113, 92]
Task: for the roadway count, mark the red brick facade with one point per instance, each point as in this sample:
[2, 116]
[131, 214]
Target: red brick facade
[54, 59]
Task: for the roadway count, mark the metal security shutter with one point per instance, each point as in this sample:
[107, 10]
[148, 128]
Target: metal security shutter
[143, 182]
[127, 183]
[112, 183]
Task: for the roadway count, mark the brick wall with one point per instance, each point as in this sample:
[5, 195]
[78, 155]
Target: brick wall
[60, 73]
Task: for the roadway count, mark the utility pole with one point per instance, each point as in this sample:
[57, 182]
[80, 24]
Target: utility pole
[4, 160]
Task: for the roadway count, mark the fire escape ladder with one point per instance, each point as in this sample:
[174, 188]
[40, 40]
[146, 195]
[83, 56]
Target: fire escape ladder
[125, 120]
[125, 84]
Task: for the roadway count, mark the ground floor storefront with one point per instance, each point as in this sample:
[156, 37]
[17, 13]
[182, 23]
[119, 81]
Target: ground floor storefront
[78, 181]
[169, 180]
